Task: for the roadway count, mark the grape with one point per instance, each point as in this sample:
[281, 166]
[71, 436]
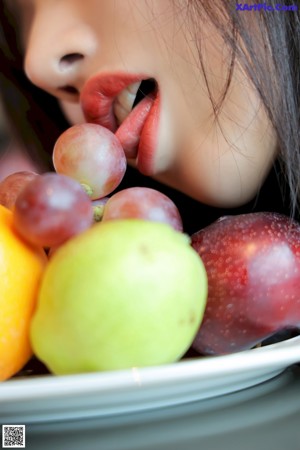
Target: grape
[51, 209]
[143, 203]
[12, 185]
[93, 156]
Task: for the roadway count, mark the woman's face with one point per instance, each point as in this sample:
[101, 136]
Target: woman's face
[92, 55]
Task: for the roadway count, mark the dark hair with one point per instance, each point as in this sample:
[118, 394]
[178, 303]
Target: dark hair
[266, 44]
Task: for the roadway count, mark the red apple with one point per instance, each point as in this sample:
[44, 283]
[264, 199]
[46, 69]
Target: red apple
[253, 268]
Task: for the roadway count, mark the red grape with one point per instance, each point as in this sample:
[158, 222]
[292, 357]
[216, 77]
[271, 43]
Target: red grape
[12, 185]
[93, 156]
[143, 203]
[51, 209]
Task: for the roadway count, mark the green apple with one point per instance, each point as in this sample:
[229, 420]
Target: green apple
[123, 294]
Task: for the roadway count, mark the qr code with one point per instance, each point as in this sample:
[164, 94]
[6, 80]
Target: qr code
[13, 436]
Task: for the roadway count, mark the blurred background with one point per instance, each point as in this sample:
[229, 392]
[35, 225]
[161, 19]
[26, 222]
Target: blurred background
[12, 156]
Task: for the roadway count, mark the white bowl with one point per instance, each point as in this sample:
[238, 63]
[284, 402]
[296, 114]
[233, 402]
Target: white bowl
[40, 399]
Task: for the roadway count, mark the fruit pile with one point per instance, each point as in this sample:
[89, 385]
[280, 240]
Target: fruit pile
[90, 163]
[122, 285]
[107, 298]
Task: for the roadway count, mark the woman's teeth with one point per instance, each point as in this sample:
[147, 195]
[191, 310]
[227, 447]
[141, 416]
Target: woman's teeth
[131, 96]
[124, 102]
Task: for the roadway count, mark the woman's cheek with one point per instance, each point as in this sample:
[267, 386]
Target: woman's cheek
[210, 170]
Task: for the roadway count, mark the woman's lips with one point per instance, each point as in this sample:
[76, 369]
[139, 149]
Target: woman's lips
[138, 132]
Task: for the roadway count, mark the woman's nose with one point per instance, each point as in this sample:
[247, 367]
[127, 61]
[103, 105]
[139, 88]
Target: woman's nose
[59, 55]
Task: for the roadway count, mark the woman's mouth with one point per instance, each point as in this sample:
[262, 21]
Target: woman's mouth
[127, 105]
[131, 96]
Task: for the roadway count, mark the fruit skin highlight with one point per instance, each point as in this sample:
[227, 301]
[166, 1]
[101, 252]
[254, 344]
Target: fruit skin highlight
[142, 203]
[253, 267]
[91, 155]
[122, 294]
[51, 209]
[21, 269]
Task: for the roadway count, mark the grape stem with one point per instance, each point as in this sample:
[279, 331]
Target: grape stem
[98, 212]
[87, 189]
